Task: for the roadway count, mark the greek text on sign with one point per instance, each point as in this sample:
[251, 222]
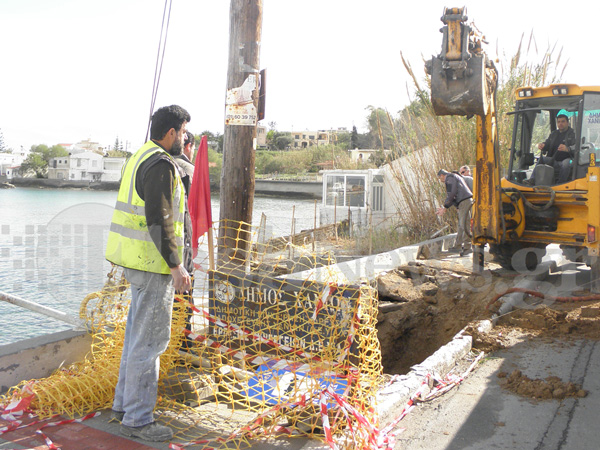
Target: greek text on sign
[307, 316]
[239, 104]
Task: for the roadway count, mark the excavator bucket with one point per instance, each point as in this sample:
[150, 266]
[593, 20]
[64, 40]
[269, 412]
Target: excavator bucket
[461, 75]
[459, 91]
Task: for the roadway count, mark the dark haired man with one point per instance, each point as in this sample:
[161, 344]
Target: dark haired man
[184, 161]
[457, 194]
[557, 150]
[186, 170]
[146, 239]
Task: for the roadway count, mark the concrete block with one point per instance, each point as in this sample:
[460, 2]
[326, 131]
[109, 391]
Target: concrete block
[40, 356]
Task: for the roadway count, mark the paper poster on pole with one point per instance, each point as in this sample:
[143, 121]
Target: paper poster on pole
[239, 104]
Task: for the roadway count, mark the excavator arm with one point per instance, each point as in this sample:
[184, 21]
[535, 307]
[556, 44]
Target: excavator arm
[464, 82]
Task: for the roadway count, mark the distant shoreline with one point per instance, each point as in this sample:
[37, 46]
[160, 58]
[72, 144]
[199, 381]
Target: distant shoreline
[275, 188]
[65, 184]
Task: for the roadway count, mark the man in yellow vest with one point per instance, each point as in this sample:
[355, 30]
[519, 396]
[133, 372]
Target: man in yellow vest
[146, 238]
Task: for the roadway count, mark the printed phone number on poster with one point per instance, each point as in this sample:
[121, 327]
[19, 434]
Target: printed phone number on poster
[241, 117]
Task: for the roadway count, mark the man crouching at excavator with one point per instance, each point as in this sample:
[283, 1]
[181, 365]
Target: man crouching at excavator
[459, 195]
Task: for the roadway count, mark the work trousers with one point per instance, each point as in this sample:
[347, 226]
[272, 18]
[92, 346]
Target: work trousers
[562, 167]
[462, 239]
[147, 336]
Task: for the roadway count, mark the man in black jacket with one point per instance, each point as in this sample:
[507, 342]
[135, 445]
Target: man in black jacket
[186, 171]
[459, 195]
[557, 150]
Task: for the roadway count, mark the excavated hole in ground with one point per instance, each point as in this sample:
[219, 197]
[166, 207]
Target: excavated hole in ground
[423, 304]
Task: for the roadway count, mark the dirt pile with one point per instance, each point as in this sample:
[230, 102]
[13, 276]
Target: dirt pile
[548, 389]
[565, 320]
[489, 341]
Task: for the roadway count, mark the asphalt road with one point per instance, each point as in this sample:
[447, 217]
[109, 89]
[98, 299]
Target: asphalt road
[480, 414]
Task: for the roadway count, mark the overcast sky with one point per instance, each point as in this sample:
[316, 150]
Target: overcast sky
[78, 69]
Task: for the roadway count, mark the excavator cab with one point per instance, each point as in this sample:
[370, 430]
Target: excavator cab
[536, 114]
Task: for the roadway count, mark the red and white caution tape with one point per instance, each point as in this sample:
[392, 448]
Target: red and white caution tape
[325, 420]
[440, 388]
[49, 443]
[242, 355]
[328, 291]
[242, 331]
[18, 405]
[287, 349]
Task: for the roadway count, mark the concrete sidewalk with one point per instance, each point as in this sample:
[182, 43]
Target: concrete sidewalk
[480, 414]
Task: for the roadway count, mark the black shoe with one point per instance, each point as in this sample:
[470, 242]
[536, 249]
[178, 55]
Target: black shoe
[149, 432]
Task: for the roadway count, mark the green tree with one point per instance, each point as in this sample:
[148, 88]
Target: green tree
[118, 153]
[215, 164]
[342, 140]
[354, 138]
[37, 160]
[283, 141]
[3, 148]
[118, 145]
[214, 140]
[381, 129]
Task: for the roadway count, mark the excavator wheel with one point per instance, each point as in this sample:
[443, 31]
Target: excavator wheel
[594, 263]
[521, 257]
[574, 254]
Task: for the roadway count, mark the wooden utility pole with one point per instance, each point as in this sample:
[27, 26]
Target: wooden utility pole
[237, 175]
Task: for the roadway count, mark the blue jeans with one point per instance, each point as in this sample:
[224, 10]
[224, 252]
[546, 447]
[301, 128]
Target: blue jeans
[147, 336]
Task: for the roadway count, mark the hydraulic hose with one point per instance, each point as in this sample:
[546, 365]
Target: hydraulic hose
[538, 294]
[540, 189]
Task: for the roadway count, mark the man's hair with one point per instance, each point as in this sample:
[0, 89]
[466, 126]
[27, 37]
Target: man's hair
[562, 115]
[464, 168]
[442, 172]
[167, 117]
[190, 138]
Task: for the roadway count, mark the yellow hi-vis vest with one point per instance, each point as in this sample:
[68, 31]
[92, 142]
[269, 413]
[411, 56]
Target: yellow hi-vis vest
[129, 242]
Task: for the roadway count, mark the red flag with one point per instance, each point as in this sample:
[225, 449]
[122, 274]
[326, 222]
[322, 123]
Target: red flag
[199, 198]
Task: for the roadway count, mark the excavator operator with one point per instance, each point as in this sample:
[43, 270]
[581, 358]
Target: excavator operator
[557, 150]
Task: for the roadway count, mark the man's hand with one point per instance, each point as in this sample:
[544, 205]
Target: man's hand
[563, 148]
[181, 279]
[440, 211]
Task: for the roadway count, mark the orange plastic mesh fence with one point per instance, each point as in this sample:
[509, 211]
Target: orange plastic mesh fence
[269, 354]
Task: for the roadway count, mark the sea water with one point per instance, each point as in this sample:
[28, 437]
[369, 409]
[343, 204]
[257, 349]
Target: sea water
[52, 244]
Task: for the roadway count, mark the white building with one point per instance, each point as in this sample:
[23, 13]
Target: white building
[304, 139]
[58, 168]
[357, 195]
[112, 168]
[85, 166]
[9, 162]
[380, 197]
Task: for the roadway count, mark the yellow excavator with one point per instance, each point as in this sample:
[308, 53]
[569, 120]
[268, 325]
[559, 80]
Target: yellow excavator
[535, 202]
